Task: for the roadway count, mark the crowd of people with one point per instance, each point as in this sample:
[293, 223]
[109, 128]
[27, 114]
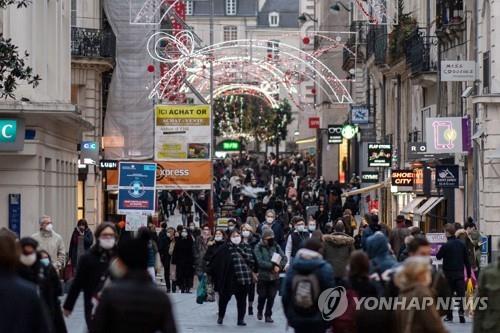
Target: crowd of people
[287, 233]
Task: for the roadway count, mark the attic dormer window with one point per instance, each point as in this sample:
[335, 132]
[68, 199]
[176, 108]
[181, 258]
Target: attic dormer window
[274, 19]
[230, 7]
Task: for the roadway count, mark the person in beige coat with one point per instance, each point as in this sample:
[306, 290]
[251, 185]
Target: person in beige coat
[414, 281]
[51, 242]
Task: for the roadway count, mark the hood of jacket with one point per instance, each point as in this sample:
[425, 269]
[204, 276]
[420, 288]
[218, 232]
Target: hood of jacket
[377, 245]
[339, 239]
[307, 261]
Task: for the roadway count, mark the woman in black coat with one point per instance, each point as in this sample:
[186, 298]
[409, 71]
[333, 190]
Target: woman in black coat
[183, 258]
[81, 241]
[92, 271]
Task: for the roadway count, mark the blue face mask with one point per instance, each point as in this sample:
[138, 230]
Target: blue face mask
[45, 261]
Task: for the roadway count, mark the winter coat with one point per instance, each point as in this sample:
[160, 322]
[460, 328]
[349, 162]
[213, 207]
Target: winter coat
[455, 258]
[200, 248]
[222, 270]
[163, 247]
[91, 275]
[397, 239]
[134, 304]
[370, 230]
[183, 255]
[263, 255]
[53, 243]
[488, 320]
[279, 233]
[209, 254]
[49, 287]
[377, 248]
[337, 250]
[306, 262]
[419, 321]
[22, 309]
[88, 239]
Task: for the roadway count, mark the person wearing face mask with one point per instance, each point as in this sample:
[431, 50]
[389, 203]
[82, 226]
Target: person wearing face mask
[296, 239]
[92, 271]
[270, 260]
[132, 302]
[250, 240]
[201, 238]
[231, 268]
[164, 240]
[51, 242]
[81, 241]
[213, 244]
[183, 259]
[321, 216]
[37, 269]
[231, 225]
[276, 226]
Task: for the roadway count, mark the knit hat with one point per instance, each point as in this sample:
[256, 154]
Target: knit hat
[267, 233]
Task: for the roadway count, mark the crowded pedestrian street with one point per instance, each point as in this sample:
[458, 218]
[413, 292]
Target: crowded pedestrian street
[198, 166]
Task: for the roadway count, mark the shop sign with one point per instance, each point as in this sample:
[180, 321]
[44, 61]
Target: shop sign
[444, 135]
[403, 178]
[379, 155]
[11, 134]
[182, 132]
[418, 150]
[15, 213]
[447, 176]
[229, 145]
[89, 152]
[335, 134]
[360, 115]
[314, 122]
[370, 177]
[108, 165]
[436, 240]
[458, 70]
[136, 187]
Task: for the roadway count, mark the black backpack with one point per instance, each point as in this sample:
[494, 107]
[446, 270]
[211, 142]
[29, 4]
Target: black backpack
[305, 293]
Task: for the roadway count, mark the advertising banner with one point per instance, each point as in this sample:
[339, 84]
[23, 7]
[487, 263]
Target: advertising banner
[136, 187]
[447, 176]
[444, 135]
[437, 240]
[379, 155]
[182, 132]
[188, 175]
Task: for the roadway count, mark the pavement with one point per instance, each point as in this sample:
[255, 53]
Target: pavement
[196, 318]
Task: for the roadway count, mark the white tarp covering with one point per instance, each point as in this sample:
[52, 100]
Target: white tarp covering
[129, 122]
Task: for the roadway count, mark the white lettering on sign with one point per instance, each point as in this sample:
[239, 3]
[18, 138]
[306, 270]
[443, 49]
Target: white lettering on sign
[174, 172]
[4, 131]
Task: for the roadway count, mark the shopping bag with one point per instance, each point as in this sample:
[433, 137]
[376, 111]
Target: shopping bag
[201, 291]
[68, 272]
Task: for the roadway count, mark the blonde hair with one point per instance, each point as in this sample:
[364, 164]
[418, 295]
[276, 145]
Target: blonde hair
[247, 226]
[411, 271]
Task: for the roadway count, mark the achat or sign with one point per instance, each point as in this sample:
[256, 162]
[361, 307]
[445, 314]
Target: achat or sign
[404, 178]
[458, 70]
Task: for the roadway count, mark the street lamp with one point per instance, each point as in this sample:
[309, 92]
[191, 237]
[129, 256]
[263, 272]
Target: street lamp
[336, 7]
[304, 17]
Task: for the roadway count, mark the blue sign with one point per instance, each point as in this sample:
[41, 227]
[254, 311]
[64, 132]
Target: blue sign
[447, 176]
[136, 187]
[484, 245]
[15, 213]
[360, 115]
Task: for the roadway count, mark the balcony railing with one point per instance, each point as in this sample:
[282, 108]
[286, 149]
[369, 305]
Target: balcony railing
[376, 44]
[421, 52]
[93, 43]
[450, 14]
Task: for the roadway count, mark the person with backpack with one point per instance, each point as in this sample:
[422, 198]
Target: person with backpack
[270, 260]
[307, 278]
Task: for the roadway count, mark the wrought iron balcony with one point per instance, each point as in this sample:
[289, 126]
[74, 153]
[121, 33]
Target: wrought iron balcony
[376, 44]
[421, 52]
[93, 43]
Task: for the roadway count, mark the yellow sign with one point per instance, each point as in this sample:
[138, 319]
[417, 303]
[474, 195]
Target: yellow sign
[182, 115]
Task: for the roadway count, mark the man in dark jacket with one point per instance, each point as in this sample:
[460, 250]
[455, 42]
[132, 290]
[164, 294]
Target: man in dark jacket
[276, 226]
[308, 261]
[337, 249]
[21, 308]
[372, 228]
[455, 258]
[133, 303]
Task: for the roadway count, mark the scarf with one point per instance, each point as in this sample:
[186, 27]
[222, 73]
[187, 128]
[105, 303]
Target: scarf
[241, 269]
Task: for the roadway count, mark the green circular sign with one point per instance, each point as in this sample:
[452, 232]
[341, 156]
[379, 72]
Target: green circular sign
[349, 131]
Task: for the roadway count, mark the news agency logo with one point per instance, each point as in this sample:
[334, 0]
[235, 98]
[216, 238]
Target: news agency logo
[333, 303]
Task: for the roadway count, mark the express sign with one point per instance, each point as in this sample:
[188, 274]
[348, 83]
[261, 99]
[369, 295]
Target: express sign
[404, 178]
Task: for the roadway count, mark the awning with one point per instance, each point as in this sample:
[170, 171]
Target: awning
[428, 206]
[410, 207]
[366, 189]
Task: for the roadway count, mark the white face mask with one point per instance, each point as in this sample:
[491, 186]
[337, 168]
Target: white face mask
[28, 260]
[218, 238]
[184, 234]
[49, 227]
[301, 228]
[312, 227]
[236, 240]
[230, 228]
[269, 220]
[107, 243]
[245, 233]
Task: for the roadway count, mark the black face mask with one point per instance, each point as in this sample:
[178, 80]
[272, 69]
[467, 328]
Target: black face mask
[270, 242]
